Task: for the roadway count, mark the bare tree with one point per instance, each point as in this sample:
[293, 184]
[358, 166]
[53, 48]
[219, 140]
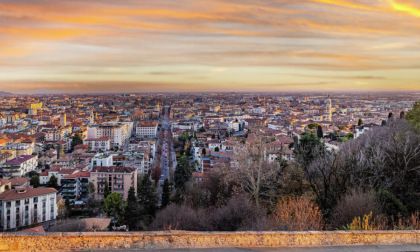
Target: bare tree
[254, 174]
[156, 173]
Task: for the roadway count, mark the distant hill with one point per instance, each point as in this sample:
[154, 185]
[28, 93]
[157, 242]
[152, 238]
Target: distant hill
[5, 93]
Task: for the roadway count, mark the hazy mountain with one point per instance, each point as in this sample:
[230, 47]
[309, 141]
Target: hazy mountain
[5, 93]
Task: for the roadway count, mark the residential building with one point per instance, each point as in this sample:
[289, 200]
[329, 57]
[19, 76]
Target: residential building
[63, 120]
[98, 144]
[20, 208]
[118, 133]
[75, 186]
[19, 166]
[119, 179]
[101, 159]
[147, 130]
[5, 184]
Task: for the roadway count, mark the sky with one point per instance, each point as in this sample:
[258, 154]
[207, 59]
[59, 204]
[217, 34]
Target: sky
[81, 46]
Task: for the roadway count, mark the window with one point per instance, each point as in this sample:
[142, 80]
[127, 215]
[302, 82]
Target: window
[17, 203]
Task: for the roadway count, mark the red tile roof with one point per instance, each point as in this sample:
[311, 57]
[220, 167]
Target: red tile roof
[78, 175]
[98, 139]
[19, 181]
[4, 181]
[148, 124]
[19, 160]
[14, 194]
[38, 229]
[113, 169]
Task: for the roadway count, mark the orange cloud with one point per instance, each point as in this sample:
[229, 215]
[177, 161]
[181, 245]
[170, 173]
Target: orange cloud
[71, 40]
[405, 8]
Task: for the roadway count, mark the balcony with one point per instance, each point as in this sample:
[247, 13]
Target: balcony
[68, 185]
[69, 191]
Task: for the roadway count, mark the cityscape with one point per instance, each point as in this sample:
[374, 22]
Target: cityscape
[239, 125]
[75, 151]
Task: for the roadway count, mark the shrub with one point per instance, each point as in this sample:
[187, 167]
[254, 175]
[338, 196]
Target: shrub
[239, 214]
[181, 217]
[368, 222]
[296, 214]
[353, 204]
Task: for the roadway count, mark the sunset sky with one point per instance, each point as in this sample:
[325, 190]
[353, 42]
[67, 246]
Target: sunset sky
[209, 45]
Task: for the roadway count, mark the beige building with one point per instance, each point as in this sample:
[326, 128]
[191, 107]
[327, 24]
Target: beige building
[119, 180]
[5, 184]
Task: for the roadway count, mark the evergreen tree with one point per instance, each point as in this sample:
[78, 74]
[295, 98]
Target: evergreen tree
[68, 206]
[147, 197]
[77, 139]
[166, 193]
[308, 148]
[413, 116]
[319, 132]
[182, 173]
[107, 190]
[35, 181]
[360, 122]
[178, 198]
[131, 211]
[52, 182]
[114, 207]
[91, 188]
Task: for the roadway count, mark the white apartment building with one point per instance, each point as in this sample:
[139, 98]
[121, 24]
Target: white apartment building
[19, 166]
[101, 160]
[23, 207]
[98, 144]
[118, 133]
[147, 130]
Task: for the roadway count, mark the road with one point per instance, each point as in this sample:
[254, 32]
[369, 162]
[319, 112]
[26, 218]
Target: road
[166, 127]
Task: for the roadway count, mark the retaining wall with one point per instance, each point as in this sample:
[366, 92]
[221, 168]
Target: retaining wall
[181, 239]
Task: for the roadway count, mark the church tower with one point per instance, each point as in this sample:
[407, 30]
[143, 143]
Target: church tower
[329, 109]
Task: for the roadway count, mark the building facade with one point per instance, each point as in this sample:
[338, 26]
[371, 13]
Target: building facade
[98, 144]
[19, 166]
[23, 207]
[147, 130]
[119, 180]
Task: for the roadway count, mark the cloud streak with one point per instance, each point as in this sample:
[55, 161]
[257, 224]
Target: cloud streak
[185, 44]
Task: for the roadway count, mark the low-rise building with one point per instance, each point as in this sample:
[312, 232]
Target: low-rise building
[102, 159]
[5, 184]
